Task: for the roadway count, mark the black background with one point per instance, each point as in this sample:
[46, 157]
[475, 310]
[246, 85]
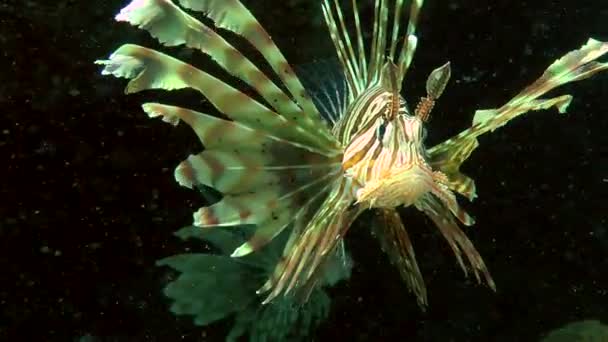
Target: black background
[89, 202]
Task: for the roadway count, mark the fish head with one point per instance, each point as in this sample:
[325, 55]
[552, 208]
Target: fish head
[388, 163]
[386, 158]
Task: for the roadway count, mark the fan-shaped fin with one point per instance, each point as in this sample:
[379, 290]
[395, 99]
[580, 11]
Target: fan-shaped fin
[212, 131]
[234, 173]
[300, 215]
[150, 69]
[233, 16]
[172, 26]
[246, 208]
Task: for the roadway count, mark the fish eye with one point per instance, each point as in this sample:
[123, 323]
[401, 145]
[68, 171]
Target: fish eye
[380, 130]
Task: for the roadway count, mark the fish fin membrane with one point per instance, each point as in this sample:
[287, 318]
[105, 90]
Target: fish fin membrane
[271, 159]
[327, 87]
[172, 26]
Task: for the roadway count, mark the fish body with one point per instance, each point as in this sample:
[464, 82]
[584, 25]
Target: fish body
[282, 168]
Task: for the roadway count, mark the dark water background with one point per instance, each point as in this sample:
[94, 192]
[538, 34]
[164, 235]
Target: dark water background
[89, 202]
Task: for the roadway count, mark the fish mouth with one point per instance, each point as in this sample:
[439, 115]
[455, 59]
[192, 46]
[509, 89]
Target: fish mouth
[402, 186]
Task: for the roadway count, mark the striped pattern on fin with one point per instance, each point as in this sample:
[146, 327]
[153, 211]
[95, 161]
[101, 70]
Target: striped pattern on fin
[276, 161]
[150, 69]
[441, 190]
[233, 16]
[575, 65]
[389, 230]
[239, 159]
[360, 73]
[456, 238]
[266, 181]
[311, 244]
[173, 27]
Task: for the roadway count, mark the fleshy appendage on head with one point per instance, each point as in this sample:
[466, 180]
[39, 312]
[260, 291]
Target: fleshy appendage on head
[387, 158]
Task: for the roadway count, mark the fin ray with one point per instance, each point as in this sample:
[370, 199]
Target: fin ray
[456, 238]
[150, 69]
[395, 242]
[233, 16]
[575, 65]
[172, 27]
[301, 256]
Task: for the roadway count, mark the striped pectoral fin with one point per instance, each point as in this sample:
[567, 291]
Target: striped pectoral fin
[263, 204]
[441, 190]
[488, 120]
[225, 171]
[269, 218]
[213, 132]
[447, 158]
[574, 66]
[240, 159]
[395, 242]
[246, 208]
[456, 238]
[232, 15]
[150, 69]
[165, 21]
[269, 199]
[296, 209]
[247, 170]
[172, 26]
[310, 246]
[462, 184]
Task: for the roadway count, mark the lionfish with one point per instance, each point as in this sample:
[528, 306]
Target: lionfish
[284, 163]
